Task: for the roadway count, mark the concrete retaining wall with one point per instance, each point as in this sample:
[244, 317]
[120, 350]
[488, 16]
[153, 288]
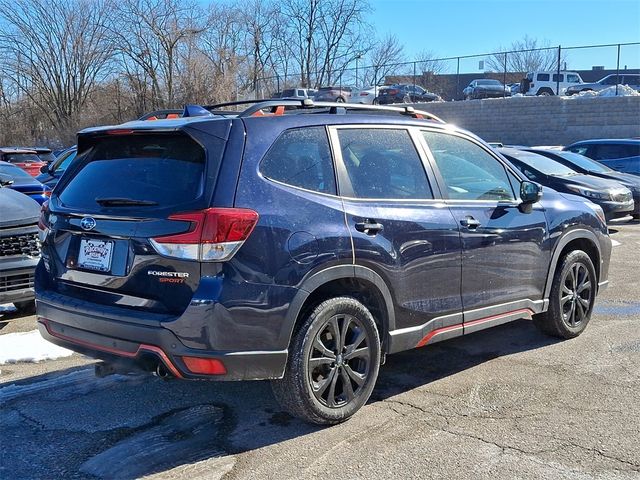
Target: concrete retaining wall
[543, 120]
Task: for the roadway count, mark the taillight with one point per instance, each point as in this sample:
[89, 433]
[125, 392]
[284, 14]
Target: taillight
[215, 234]
[364, 94]
[43, 221]
[204, 366]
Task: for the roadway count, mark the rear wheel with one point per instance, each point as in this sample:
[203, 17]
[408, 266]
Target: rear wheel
[340, 100]
[572, 296]
[333, 363]
[545, 92]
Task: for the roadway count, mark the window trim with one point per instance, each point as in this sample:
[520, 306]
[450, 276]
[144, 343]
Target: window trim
[441, 183]
[345, 189]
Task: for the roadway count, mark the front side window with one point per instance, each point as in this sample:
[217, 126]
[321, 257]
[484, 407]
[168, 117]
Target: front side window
[613, 150]
[573, 78]
[610, 80]
[468, 171]
[382, 163]
[301, 157]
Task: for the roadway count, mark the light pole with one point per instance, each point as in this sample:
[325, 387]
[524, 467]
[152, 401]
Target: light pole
[358, 57]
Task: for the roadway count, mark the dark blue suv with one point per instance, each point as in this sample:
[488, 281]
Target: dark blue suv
[303, 242]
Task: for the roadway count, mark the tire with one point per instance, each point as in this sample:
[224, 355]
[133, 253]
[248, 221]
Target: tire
[545, 92]
[406, 99]
[27, 307]
[636, 216]
[316, 369]
[376, 101]
[571, 301]
[340, 100]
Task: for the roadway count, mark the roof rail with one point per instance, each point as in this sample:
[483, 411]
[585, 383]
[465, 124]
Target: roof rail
[278, 106]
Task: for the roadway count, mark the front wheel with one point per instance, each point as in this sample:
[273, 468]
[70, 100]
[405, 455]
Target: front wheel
[333, 363]
[573, 293]
[340, 100]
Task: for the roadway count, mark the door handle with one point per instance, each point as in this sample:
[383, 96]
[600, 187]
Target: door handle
[369, 227]
[470, 222]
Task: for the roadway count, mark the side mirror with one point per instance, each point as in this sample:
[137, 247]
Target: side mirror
[530, 193]
[44, 169]
[5, 180]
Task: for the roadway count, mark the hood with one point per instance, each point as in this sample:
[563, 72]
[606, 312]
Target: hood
[626, 179]
[17, 209]
[589, 181]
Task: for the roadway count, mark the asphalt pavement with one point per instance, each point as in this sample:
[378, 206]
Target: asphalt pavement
[507, 402]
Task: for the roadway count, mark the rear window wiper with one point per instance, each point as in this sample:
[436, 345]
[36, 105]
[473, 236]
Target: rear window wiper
[118, 201]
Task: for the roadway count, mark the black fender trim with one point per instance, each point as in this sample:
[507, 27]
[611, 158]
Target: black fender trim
[318, 279]
[579, 233]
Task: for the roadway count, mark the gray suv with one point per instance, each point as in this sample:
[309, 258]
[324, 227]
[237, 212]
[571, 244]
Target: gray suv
[629, 79]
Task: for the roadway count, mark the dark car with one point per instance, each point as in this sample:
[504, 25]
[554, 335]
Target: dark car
[26, 159]
[485, 88]
[403, 93]
[622, 155]
[587, 166]
[50, 174]
[19, 246]
[24, 183]
[338, 94]
[615, 199]
[303, 244]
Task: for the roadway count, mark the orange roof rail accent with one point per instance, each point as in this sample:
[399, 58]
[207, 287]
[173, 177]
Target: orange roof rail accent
[259, 113]
[279, 110]
[172, 115]
[152, 118]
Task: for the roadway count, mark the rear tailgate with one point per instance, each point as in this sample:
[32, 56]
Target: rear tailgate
[117, 197]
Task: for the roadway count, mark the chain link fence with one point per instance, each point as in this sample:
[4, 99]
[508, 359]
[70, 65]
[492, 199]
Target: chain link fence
[448, 76]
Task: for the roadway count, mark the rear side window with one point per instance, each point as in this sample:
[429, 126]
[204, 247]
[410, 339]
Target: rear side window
[164, 170]
[611, 151]
[382, 163]
[558, 78]
[301, 157]
[543, 77]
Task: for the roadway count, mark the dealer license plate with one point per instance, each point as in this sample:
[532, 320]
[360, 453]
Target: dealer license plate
[95, 254]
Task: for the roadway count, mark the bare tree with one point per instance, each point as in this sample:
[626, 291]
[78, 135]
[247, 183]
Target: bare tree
[150, 34]
[54, 52]
[525, 55]
[383, 59]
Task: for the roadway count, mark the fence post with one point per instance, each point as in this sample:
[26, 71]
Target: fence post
[458, 79]
[618, 71]
[558, 77]
[414, 76]
[504, 77]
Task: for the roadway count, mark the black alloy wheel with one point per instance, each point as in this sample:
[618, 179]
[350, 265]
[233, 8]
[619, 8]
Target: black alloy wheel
[575, 296]
[339, 361]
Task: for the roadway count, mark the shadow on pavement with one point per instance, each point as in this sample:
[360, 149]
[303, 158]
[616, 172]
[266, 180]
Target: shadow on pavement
[128, 427]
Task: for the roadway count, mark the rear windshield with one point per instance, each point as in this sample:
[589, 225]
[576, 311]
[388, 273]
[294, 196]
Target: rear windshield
[46, 157]
[21, 158]
[160, 170]
[488, 82]
[544, 164]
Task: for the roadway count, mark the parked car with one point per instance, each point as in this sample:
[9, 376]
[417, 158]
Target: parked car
[50, 174]
[164, 268]
[19, 246]
[366, 95]
[44, 153]
[486, 88]
[24, 183]
[26, 159]
[297, 93]
[587, 166]
[514, 88]
[404, 93]
[622, 155]
[615, 199]
[546, 83]
[630, 79]
[333, 94]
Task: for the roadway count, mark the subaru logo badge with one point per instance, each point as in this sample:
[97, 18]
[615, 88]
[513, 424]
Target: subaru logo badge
[88, 223]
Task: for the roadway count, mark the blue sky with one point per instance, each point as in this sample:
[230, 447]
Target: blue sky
[461, 27]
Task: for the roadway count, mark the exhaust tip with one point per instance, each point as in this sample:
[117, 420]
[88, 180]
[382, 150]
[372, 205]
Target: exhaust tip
[162, 372]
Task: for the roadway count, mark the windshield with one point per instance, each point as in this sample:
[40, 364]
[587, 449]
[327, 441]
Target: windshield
[64, 161]
[584, 162]
[14, 172]
[544, 164]
[488, 82]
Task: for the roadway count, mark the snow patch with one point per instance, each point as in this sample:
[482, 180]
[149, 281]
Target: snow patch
[623, 91]
[28, 347]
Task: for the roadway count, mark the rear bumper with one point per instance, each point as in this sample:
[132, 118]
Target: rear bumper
[143, 346]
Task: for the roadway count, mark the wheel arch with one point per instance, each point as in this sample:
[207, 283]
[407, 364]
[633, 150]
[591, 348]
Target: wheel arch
[578, 239]
[355, 281]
